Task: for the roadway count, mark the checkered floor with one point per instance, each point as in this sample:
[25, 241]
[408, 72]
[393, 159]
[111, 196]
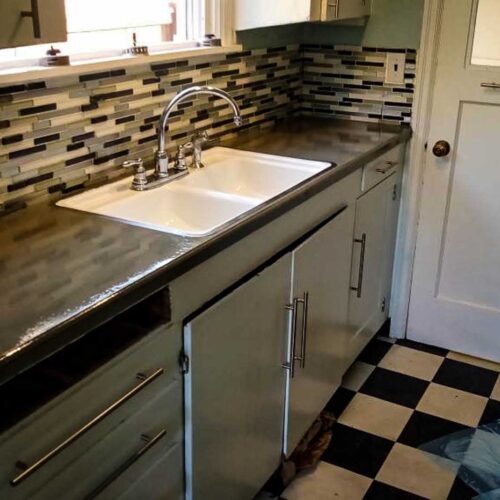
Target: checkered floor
[396, 397]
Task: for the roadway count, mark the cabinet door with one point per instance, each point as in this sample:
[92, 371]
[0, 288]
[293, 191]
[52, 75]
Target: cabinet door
[261, 13]
[368, 267]
[234, 390]
[47, 23]
[392, 194]
[348, 9]
[321, 270]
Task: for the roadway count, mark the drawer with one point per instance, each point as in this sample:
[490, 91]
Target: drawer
[75, 421]
[382, 167]
[128, 457]
[159, 478]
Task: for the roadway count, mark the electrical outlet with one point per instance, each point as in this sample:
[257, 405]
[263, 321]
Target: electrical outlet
[395, 68]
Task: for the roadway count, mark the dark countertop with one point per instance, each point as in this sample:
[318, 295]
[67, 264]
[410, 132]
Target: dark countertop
[65, 272]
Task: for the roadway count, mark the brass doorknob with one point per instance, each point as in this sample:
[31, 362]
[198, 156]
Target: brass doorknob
[441, 149]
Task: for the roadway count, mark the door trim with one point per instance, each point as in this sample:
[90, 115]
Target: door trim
[415, 165]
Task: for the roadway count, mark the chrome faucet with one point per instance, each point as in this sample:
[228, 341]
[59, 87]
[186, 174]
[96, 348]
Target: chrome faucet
[162, 173]
[161, 154]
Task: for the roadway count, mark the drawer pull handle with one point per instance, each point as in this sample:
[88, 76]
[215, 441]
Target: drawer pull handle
[359, 288]
[389, 165]
[150, 442]
[89, 425]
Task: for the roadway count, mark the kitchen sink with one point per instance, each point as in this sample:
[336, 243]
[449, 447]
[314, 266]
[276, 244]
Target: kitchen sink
[249, 174]
[232, 183]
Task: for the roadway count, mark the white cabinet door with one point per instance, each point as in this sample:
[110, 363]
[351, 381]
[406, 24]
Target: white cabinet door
[251, 14]
[368, 267]
[234, 390]
[392, 195]
[321, 272]
[46, 22]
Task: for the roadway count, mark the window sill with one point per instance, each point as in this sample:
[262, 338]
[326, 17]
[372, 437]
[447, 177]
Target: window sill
[13, 75]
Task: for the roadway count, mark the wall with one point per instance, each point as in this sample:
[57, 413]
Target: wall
[63, 134]
[393, 24]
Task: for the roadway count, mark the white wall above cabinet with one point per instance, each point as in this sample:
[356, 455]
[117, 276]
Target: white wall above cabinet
[251, 14]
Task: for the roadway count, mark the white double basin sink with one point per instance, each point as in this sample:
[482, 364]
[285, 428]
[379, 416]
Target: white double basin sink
[207, 200]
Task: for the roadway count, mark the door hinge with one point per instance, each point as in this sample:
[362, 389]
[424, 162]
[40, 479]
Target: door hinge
[184, 362]
[395, 192]
[384, 305]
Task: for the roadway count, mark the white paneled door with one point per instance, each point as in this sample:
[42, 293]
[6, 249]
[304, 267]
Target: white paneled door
[455, 300]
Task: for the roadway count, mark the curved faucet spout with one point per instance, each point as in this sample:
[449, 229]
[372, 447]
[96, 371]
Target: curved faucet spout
[161, 154]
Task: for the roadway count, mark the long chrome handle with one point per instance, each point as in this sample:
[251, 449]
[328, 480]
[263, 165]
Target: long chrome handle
[35, 17]
[150, 442]
[492, 85]
[305, 314]
[293, 337]
[83, 430]
[359, 288]
[389, 165]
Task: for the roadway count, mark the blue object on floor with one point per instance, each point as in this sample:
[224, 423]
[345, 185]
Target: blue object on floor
[477, 451]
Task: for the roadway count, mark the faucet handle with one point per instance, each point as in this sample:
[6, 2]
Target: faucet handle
[180, 158]
[140, 178]
[137, 162]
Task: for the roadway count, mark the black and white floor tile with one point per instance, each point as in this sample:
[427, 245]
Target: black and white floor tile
[396, 397]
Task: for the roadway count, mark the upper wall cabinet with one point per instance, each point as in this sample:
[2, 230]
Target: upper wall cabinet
[260, 13]
[335, 10]
[30, 22]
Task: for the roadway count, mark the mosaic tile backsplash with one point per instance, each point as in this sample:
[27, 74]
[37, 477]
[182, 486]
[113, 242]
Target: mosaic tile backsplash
[65, 134]
[349, 82]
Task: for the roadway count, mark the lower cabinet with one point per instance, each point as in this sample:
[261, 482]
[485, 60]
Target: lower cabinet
[234, 390]
[107, 435]
[392, 189]
[264, 361]
[373, 254]
[318, 336]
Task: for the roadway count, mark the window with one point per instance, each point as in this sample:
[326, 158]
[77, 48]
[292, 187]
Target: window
[154, 22]
[104, 28]
[486, 47]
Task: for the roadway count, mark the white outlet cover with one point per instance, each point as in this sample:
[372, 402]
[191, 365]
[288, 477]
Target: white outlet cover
[395, 68]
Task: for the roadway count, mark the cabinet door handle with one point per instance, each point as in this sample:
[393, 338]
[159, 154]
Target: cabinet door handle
[35, 17]
[389, 165]
[83, 430]
[305, 314]
[290, 366]
[333, 4]
[326, 10]
[150, 442]
[359, 288]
